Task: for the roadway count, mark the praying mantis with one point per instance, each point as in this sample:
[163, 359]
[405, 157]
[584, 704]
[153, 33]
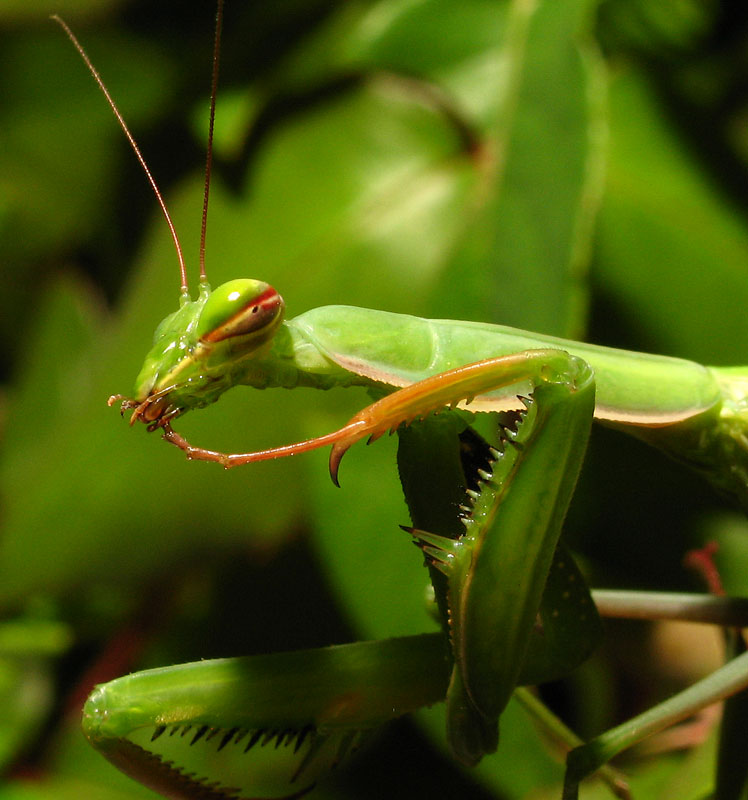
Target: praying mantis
[235, 334]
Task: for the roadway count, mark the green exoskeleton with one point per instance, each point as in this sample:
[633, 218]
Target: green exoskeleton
[514, 609]
[497, 572]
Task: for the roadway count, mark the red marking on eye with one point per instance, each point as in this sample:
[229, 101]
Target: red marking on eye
[242, 323]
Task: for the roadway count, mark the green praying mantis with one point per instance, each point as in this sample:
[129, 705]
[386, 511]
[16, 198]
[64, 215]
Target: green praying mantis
[497, 564]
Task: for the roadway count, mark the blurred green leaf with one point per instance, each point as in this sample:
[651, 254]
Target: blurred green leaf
[665, 227]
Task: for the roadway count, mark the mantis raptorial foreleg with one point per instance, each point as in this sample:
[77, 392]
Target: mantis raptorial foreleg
[193, 728]
[510, 542]
[507, 504]
[447, 389]
[496, 572]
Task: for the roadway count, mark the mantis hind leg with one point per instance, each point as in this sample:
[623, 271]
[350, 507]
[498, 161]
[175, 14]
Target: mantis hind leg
[586, 759]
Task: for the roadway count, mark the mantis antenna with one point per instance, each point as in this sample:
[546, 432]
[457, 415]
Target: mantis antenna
[184, 286]
[211, 123]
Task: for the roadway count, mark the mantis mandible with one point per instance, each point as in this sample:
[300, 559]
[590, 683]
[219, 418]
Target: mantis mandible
[549, 390]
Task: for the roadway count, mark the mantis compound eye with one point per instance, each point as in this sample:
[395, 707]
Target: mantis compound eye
[240, 307]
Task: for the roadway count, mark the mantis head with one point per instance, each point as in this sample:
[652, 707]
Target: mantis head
[196, 349]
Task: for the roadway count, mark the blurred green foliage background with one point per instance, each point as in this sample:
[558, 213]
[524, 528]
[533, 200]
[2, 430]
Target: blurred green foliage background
[559, 165]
